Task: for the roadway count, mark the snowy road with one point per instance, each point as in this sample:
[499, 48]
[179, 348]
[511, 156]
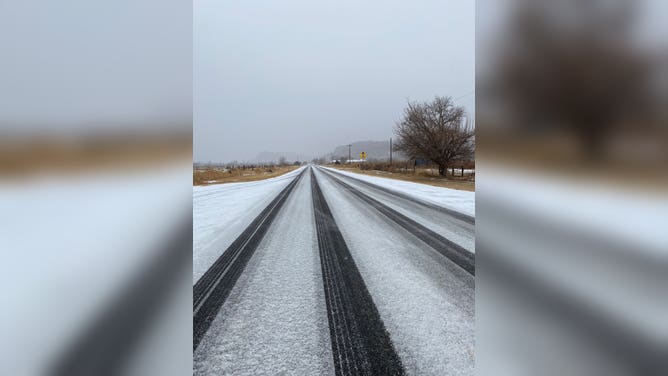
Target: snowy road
[396, 296]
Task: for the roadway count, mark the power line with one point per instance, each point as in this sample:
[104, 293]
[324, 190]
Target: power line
[465, 95]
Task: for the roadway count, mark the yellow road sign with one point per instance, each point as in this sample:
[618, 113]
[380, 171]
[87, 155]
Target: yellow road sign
[362, 155]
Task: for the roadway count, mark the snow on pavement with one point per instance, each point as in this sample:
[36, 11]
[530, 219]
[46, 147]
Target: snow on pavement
[602, 248]
[221, 212]
[275, 319]
[71, 244]
[462, 201]
[442, 223]
[425, 301]
[595, 207]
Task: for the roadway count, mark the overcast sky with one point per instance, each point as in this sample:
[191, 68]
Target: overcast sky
[81, 65]
[306, 76]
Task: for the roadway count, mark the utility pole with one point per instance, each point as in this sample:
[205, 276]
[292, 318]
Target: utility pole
[349, 145]
[390, 151]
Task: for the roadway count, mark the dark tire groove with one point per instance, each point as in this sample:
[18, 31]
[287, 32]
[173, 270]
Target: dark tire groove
[213, 288]
[453, 213]
[457, 254]
[360, 342]
[110, 342]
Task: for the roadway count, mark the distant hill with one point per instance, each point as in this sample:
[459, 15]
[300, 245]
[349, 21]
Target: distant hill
[272, 156]
[379, 150]
[375, 150]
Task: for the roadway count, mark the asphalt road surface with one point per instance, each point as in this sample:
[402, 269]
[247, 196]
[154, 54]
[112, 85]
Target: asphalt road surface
[336, 276]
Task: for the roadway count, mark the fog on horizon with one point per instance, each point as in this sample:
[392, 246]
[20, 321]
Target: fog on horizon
[304, 77]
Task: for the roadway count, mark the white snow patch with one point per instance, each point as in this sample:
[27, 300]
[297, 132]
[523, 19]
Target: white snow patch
[594, 207]
[70, 244]
[461, 201]
[222, 212]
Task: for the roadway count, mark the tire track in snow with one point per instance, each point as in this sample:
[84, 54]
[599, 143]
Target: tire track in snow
[460, 256]
[453, 213]
[439, 221]
[212, 289]
[360, 342]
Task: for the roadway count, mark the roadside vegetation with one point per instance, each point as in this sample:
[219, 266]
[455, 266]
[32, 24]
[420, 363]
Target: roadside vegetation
[235, 173]
[436, 144]
[581, 99]
[459, 176]
[27, 156]
[437, 132]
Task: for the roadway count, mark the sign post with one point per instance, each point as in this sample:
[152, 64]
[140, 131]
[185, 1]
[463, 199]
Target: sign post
[363, 155]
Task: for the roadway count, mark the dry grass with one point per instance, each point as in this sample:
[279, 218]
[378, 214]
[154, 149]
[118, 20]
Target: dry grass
[421, 175]
[214, 175]
[28, 156]
[639, 162]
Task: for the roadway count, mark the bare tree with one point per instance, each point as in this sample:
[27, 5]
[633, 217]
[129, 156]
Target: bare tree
[282, 161]
[438, 131]
[572, 65]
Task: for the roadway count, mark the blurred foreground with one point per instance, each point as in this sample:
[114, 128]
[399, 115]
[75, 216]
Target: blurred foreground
[97, 241]
[572, 205]
[95, 192]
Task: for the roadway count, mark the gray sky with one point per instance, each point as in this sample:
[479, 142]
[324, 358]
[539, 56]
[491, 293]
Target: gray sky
[305, 76]
[95, 65]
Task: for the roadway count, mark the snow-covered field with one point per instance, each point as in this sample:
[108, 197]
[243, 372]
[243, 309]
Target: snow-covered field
[221, 212]
[462, 201]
